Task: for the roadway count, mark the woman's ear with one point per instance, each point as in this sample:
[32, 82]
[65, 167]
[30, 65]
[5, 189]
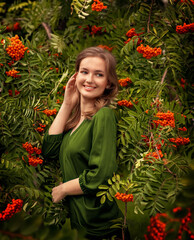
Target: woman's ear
[108, 85]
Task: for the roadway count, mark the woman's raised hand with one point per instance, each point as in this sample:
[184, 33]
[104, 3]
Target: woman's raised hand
[71, 95]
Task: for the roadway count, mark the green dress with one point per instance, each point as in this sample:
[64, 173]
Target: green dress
[89, 153]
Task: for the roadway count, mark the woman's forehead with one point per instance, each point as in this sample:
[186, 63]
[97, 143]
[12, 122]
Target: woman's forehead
[96, 63]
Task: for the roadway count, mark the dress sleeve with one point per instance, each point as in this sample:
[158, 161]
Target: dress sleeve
[51, 146]
[102, 160]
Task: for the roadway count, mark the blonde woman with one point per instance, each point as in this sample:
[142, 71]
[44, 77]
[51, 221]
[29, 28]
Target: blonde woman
[83, 138]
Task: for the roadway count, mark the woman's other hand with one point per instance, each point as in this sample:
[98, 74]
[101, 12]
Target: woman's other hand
[58, 193]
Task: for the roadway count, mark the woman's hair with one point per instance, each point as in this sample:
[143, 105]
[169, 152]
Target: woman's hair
[112, 86]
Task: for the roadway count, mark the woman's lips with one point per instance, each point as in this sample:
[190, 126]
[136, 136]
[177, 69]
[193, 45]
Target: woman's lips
[89, 87]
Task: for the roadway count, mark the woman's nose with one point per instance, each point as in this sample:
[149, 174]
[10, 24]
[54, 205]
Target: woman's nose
[89, 78]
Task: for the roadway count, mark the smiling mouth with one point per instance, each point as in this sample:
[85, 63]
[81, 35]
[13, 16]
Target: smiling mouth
[89, 87]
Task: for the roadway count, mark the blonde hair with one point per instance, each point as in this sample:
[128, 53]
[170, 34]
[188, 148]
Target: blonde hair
[109, 93]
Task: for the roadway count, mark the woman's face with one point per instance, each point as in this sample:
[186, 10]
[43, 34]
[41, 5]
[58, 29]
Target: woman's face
[91, 79]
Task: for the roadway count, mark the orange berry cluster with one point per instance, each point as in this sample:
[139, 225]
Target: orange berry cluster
[183, 82]
[58, 101]
[41, 128]
[30, 149]
[138, 42]
[125, 103]
[165, 119]
[185, 28]
[184, 129]
[87, 28]
[177, 209]
[11, 209]
[34, 161]
[98, 6]
[149, 52]
[37, 109]
[156, 155]
[184, 226]
[156, 229]
[124, 197]
[50, 112]
[180, 140]
[57, 69]
[184, 1]
[124, 82]
[148, 142]
[57, 54]
[13, 73]
[11, 94]
[14, 27]
[95, 29]
[156, 103]
[131, 33]
[16, 49]
[105, 47]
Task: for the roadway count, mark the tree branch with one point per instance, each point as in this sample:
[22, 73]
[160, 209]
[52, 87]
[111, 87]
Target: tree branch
[162, 81]
[148, 24]
[47, 29]
[16, 235]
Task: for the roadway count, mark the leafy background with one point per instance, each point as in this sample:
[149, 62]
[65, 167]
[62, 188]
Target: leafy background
[55, 32]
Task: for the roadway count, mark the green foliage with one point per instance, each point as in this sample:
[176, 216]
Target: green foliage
[80, 7]
[55, 32]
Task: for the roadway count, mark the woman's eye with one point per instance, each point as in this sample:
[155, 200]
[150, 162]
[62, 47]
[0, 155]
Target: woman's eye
[83, 72]
[99, 75]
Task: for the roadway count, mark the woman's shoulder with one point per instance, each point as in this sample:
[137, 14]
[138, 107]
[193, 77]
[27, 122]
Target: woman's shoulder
[105, 113]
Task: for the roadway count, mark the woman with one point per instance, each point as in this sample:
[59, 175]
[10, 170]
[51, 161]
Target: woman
[83, 138]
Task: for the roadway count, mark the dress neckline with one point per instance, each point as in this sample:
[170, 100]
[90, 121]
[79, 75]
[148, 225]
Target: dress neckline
[72, 132]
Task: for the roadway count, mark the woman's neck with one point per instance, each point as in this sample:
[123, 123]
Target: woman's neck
[87, 106]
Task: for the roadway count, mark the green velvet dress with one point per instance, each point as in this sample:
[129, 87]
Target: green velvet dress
[89, 153]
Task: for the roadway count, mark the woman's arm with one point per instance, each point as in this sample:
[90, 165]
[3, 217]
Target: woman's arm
[71, 187]
[70, 98]
[59, 122]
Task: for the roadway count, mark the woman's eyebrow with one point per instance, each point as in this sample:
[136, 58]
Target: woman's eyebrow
[85, 69]
[99, 71]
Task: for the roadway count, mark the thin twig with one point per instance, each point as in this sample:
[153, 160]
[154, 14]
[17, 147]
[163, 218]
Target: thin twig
[60, 80]
[148, 24]
[47, 29]
[152, 136]
[162, 81]
[16, 235]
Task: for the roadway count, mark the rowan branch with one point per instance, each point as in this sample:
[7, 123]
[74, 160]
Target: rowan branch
[16, 235]
[47, 29]
[162, 81]
[148, 24]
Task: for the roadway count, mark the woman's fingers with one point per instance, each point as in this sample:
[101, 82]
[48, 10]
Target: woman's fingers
[72, 80]
[57, 193]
